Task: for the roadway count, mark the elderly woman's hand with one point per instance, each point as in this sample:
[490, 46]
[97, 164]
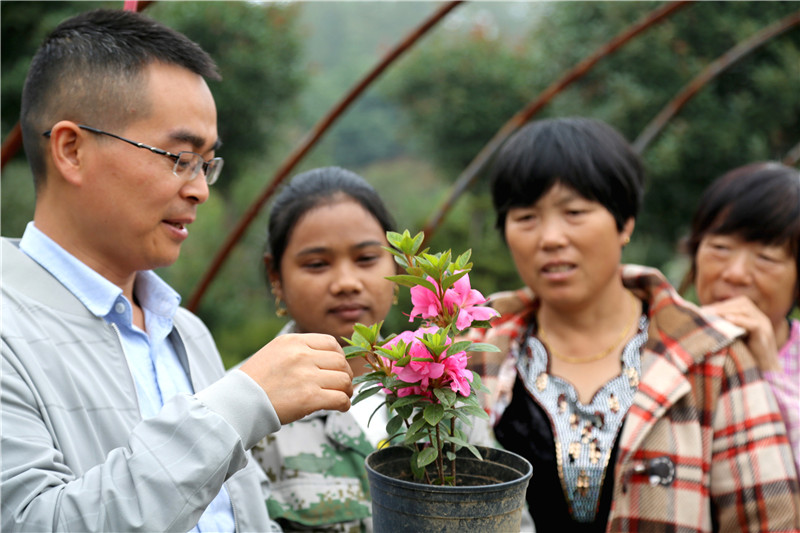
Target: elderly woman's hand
[742, 312]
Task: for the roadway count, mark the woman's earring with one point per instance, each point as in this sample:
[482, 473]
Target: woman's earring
[627, 240]
[280, 309]
[395, 299]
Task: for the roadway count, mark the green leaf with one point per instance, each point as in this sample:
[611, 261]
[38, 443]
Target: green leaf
[394, 353]
[370, 333]
[394, 424]
[474, 451]
[417, 425]
[366, 393]
[446, 396]
[354, 351]
[417, 242]
[404, 411]
[408, 400]
[463, 260]
[415, 436]
[477, 384]
[460, 346]
[483, 347]
[433, 413]
[394, 238]
[412, 281]
[455, 440]
[431, 270]
[443, 260]
[418, 471]
[474, 410]
[448, 281]
[427, 456]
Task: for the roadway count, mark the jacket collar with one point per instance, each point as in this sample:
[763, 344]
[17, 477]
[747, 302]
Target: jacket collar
[679, 337]
[26, 276]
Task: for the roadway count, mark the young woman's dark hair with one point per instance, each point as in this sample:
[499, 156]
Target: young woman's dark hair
[584, 154]
[759, 202]
[314, 188]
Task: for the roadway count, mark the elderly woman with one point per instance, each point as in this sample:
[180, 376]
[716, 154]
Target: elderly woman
[745, 250]
[638, 412]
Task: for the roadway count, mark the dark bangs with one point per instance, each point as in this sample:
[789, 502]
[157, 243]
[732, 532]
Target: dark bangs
[759, 203]
[584, 154]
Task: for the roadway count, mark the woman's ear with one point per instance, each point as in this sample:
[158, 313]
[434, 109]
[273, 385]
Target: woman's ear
[272, 275]
[627, 230]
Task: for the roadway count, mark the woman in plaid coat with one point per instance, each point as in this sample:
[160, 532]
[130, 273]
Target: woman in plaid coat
[638, 412]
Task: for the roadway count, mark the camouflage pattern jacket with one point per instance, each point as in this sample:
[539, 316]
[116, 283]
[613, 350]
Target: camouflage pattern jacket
[316, 471]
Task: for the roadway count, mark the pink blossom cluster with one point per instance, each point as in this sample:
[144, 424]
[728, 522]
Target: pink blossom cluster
[461, 298]
[425, 372]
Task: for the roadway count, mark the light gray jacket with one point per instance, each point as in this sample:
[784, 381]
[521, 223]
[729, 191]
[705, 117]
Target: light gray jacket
[76, 454]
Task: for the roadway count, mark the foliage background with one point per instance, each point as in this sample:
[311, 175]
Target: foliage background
[285, 64]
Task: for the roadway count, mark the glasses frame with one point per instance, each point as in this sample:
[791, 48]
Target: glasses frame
[215, 163]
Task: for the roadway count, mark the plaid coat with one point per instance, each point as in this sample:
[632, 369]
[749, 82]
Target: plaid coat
[703, 447]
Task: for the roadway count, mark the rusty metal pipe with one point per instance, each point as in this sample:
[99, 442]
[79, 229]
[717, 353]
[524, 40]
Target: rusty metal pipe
[714, 69]
[308, 142]
[470, 174]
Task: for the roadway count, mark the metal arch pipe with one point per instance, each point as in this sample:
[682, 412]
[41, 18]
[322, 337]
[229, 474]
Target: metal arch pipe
[470, 174]
[11, 144]
[714, 69]
[308, 142]
[13, 141]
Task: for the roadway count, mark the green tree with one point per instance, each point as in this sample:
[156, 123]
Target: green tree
[257, 47]
[457, 91]
[751, 112]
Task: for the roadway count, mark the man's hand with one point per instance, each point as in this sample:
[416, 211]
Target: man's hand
[302, 373]
[742, 312]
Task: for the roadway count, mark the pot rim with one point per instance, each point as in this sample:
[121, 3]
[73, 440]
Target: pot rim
[524, 476]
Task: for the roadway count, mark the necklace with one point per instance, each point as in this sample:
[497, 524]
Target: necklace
[603, 353]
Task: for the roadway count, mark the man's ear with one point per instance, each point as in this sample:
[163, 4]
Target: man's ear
[67, 145]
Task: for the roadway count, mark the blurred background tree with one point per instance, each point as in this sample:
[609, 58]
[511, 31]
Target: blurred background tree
[412, 133]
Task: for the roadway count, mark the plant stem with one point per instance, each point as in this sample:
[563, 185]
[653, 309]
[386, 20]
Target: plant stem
[453, 448]
[439, 458]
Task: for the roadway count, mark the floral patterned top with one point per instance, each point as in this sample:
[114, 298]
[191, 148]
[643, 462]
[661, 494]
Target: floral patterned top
[584, 433]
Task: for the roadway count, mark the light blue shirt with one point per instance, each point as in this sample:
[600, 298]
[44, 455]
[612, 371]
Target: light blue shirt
[157, 371]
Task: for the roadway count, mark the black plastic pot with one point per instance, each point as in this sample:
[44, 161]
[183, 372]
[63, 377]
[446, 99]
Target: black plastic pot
[489, 496]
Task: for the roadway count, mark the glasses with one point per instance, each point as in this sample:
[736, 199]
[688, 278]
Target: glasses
[187, 164]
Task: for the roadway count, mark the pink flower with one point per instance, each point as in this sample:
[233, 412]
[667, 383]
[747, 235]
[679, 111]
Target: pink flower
[457, 373]
[426, 302]
[461, 296]
[467, 299]
[424, 372]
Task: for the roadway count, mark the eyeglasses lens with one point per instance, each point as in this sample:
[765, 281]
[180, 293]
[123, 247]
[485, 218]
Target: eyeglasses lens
[189, 165]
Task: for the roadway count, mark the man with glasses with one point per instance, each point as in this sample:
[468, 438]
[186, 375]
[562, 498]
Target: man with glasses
[116, 411]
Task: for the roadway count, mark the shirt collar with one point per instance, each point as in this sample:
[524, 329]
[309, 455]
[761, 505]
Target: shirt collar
[96, 292]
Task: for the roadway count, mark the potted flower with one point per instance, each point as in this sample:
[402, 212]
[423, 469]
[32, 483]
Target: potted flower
[433, 478]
